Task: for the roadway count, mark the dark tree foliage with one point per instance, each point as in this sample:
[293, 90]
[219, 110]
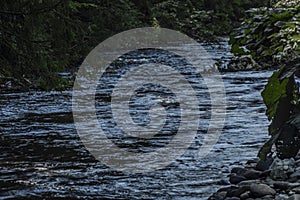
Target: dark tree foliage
[40, 38]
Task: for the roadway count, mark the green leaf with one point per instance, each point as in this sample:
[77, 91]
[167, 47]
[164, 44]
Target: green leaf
[273, 91]
[268, 52]
[296, 37]
[235, 49]
[282, 16]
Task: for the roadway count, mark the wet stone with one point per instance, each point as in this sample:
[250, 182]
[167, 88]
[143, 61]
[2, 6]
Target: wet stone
[264, 165]
[235, 179]
[219, 196]
[281, 197]
[281, 185]
[248, 183]
[294, 197]
[238, 170]
[245, 195]
[233, 198]
[295, 176]
[252, 174]
[296, 190]
[260, 190]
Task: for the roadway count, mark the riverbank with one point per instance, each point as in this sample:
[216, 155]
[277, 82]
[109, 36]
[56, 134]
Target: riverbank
[267, 180]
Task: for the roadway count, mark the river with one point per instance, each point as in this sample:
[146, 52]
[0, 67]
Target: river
[42, 156]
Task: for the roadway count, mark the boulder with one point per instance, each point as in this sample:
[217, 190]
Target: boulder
[261, 190]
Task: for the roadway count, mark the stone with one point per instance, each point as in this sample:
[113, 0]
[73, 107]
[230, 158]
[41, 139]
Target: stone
[268, 197]
[294, 185]
[238, 170]
[278, 174]
[264, 165]
[223, 182]
[290, 193]
[248, 183]
[233, 198]
[277, 170]
[241, 190]
[289, 162]
[294, 197]
[295, 176]
[235, 179]
[296, 190]
[265, 173]
[252, 174]
[281, 197]
[297, 163]
[218, 196]
[232, 193]
[245, 195]
[226, 189]
[260, 190]
[281, 185]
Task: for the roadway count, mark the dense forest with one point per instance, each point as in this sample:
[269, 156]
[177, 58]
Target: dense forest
[42, 38]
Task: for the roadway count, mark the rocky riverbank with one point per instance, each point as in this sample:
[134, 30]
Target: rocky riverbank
[267, 180]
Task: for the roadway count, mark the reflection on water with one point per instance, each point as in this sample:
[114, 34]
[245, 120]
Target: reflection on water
[42, 156]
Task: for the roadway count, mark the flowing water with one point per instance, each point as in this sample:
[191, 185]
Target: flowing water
[42, 156]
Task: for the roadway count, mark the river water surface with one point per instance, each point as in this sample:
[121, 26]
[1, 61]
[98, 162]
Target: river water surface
[42, 156]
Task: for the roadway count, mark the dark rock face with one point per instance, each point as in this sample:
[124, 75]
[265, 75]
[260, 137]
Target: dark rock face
[265, 180]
